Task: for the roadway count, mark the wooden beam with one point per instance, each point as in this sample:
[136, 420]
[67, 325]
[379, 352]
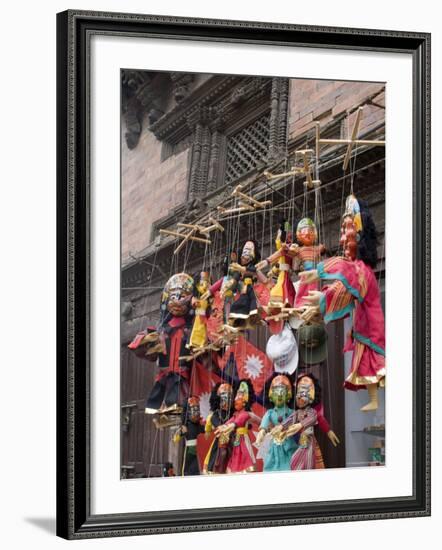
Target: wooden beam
[348, 141]
[354, 135]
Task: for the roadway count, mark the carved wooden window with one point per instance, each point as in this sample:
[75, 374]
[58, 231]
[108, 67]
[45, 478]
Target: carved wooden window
[246, 148]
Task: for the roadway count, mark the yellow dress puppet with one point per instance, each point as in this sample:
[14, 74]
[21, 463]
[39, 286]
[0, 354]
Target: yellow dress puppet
[198, 337]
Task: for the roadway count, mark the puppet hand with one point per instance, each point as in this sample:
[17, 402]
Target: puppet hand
[276, 431]
[234, 266]
[313, 298]
[310, 313]
[206, 295]
[293, 250]
[260, 437]
[308, 277]
[294, 429]
[262, 265]
[333, 438]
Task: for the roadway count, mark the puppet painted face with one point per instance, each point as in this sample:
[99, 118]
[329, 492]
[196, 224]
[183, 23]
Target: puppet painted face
[349, 238]
[194, 409]
[248, 253]
[306, 232]
[280, 391]
[225, 396]
[242, 396]
[305, 392]
[178, 293]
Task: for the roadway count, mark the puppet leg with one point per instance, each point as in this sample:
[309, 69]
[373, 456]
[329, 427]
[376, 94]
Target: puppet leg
[372, 405]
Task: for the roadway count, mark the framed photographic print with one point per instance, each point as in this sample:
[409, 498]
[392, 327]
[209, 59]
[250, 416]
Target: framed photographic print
[243, 274]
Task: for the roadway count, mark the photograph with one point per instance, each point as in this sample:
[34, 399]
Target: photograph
[244, 235]
[253, 273]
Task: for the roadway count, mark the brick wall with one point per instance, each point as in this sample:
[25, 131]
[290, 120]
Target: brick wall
[324, 100]
[150, 188]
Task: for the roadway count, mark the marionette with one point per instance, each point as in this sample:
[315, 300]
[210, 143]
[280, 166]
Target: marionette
[198, 337]
[282, 293]
[276, 454]
[221, 407]
[242, 457]
[237, 287]
[354, 291]
[307, 455]
[305, 256]
[191, 426]
[176, 315]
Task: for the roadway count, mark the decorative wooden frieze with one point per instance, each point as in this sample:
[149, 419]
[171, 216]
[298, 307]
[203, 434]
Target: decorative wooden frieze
[278, 118]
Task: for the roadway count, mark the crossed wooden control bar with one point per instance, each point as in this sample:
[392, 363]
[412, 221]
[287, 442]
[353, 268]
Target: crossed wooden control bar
[194, 229]
[306, 156]
[246, 204]
[349, 142]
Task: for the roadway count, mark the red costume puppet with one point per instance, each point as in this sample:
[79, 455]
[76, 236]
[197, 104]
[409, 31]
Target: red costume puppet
[242, 457]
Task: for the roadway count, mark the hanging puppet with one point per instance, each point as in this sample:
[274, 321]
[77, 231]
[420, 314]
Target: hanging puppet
[354, 291]
[276, 454]
[242, 457]
[198, 337]
[237, 288]
[191, 426]
[221, 407]
[307, 455]
[172, 383]
[282, 293]
[306, 256]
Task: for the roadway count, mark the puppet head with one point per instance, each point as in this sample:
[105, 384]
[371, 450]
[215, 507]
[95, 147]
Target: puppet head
[203, 282]
[225, 394]
[280, 391]
[177, 294]
[248, 253]
[350, 228]
[305, 392]
[285, 233]
[308, 391]
[244, 396]
[193, 410]
[306, 233]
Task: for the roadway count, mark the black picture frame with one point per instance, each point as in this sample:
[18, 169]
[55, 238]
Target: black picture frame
[74, 518]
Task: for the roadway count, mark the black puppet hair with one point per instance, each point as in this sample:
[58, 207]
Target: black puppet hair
[368, 238]
[318, 391]
[214, 398]
[266, 399]
[251, 393]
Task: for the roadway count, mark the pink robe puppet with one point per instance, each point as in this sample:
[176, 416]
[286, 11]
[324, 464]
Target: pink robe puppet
[354, 292]
[301, 422]
[242, 457]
